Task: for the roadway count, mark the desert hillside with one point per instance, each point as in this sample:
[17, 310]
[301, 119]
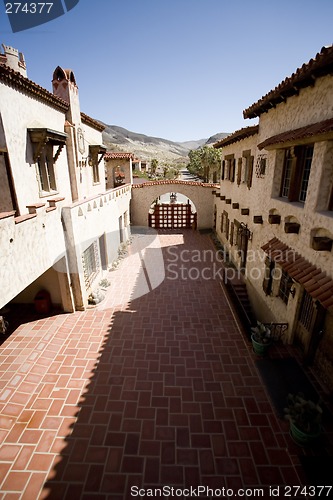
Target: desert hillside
[147, 147]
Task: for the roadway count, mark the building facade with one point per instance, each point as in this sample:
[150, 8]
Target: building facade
[274, 211]
[65, 202]
[60, 227]
[118, 168]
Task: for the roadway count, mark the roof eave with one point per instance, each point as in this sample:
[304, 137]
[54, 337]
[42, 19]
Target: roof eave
[303, 77]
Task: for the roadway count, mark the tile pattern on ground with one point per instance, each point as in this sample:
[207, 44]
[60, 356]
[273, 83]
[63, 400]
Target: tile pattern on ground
[162, 390]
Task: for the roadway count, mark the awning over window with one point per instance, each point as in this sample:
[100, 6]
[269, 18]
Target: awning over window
[41, 136]
[95, 150]
[314, 132]
[313, 279]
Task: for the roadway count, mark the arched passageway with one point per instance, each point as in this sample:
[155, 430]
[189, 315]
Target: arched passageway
[172, 211]
[200, 196]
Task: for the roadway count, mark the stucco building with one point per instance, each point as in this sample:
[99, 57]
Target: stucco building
[65, 202]
[274, 210]
[60, 227]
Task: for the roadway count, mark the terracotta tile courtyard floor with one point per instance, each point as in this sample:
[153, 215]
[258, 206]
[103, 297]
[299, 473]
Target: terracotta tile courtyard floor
[143, 391]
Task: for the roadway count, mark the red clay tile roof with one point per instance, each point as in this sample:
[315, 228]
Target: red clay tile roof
[118, 156]
[321, 65]
[93, 123]
[17, 81]
[237, 136]
[309, 131]
[186, 183]
[314, 280]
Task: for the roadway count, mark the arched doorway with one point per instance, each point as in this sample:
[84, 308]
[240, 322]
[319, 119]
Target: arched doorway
[172, 211]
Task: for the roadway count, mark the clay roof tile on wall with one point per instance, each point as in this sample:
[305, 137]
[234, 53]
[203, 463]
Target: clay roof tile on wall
[308, 132]
[321, 65]
[304, 277]
[118, 156]
[323, 288]
[322, 279]
[295, 265]
[328, 304]
[238, 135]
[17, 81]
[185, 183]
[92, 122]
[325, 295]
[316, 282]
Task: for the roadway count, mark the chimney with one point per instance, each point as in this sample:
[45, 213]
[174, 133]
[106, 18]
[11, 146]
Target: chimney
[64, 86]
[13, 59]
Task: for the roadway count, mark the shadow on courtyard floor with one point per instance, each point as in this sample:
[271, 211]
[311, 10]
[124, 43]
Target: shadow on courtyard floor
[175, 400]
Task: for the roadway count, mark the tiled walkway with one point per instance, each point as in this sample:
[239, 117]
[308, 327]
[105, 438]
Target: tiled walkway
[159, 391]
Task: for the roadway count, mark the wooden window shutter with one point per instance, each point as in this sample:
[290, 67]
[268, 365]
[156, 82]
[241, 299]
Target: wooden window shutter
[268, 276]
[227, 228]
[236, 232]
[223, 170]
[250, 172]
[239, 171]
[232, 233]
[296, 174]
[233, 168]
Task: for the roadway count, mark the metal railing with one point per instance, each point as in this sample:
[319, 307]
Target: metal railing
[278, 330]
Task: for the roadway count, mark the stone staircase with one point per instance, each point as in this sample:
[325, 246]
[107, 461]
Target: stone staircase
[239, 296]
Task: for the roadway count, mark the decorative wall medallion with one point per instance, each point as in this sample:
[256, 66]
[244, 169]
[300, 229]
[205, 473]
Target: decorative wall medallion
[80, 140]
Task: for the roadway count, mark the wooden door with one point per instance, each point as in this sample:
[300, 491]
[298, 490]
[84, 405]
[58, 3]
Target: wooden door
[309, 328]
[172, 216]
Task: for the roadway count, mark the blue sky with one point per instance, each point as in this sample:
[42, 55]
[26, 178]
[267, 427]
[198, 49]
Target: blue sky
[177, 69]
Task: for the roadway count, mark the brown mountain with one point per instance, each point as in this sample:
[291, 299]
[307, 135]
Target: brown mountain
[146, 147]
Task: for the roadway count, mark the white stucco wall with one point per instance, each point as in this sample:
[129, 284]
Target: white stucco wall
[47, 281]
[86, 222]
[20, 112]
[87, 186]
[28, 249]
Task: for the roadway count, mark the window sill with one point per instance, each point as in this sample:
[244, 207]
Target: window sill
[282, 300]
[285, 201]
[326, 213]
[44, 194]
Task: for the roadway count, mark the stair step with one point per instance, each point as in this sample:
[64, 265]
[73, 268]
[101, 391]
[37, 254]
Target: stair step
[244, 305]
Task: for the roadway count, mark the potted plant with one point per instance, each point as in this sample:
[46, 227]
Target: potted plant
[305, 418]
[261, 338]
